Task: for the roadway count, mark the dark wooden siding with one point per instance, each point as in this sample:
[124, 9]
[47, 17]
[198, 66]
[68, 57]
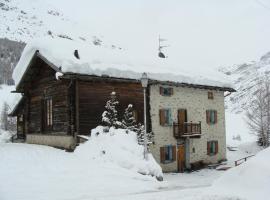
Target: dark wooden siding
[44, 85]
[93, 95]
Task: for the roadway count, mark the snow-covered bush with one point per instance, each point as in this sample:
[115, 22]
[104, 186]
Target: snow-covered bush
[118, 147]
[129, 121]
[110, 115]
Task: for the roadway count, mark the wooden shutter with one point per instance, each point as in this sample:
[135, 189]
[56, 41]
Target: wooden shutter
[210, 95]
[216, 147]
[42, 115]
[215, 113]
[161, 90]
[162, 154]
[170, 120]
[162, 119]
[208, 148]
[171, 91]
[174, 153]
[208, 117]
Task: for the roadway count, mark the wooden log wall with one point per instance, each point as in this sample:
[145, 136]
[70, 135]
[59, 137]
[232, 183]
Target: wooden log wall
[42, 86]
[93, 96]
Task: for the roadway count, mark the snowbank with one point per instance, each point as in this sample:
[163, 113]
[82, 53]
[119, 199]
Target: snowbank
[5, 136]
[119, 148]
[36, 172]
[101, 60]
[250, 180]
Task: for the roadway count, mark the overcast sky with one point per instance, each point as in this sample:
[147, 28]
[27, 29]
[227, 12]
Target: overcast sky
[201, 33]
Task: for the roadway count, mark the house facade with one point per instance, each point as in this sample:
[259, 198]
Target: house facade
[187, 120]
[55, 111]
[189, 126]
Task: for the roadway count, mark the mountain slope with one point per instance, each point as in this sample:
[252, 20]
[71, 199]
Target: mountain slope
[245, 79]
[23, 20]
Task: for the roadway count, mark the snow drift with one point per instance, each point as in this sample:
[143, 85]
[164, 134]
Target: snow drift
[250, 180]
[120, 148]
[5, 136]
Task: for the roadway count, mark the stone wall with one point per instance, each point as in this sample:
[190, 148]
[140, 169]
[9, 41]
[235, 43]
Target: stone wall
[196, 102]
[61, 141]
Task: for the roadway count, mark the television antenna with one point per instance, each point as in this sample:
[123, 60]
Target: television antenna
[160, 47]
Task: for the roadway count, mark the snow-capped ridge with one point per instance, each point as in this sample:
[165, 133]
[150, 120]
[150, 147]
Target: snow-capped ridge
[245, 79]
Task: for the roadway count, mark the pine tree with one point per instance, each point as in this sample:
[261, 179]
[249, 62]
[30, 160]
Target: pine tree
[140, 133]
[129, 121]
[110, 115]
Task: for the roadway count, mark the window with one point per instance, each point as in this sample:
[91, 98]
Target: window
[49, 112]
[167, 154]
[210, 95]
[211, 116]
[21, 118]
[165, 117]
[166, 91]
[212, 148]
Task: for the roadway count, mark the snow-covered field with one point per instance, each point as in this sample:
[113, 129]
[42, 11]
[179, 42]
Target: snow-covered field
[39, 172]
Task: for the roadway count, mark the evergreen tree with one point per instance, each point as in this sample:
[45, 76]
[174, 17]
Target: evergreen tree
[110, 115]
[129, 121]
[140, 135]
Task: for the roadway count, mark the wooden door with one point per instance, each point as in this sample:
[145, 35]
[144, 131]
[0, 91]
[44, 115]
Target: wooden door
[181, 157]
[182, 118]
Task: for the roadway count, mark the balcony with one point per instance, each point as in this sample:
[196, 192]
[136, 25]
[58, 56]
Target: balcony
[187, 129]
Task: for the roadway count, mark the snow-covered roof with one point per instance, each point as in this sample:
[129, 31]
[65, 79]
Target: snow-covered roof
[112, 62]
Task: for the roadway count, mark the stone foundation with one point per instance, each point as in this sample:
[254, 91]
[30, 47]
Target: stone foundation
[60, 141]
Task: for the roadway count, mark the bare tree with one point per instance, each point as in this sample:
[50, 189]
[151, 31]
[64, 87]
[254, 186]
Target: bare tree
[4, 117]
[7, 123]
[258, 114]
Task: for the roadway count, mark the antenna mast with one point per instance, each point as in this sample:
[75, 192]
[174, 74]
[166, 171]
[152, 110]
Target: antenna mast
[160, 47]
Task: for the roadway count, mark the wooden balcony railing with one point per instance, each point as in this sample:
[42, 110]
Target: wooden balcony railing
[187, 129]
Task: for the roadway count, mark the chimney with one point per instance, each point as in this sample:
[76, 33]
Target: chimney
[76, 54]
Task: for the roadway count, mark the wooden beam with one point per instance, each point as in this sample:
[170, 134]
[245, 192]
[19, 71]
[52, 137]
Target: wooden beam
[77, 108]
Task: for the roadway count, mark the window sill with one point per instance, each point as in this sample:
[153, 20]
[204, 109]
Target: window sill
[167, 162]
[166, 125]
[212, 154]
[166, 95]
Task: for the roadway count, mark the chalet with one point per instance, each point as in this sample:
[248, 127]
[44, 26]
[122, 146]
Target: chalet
[59, 103]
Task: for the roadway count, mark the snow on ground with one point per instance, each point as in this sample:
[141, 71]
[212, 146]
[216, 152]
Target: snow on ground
[237, 127]
[5, 136]
[100, 60]
[32, 172]
[40, 172]
[242, 151]
[35, 172]
[250, 180]
[201, 178]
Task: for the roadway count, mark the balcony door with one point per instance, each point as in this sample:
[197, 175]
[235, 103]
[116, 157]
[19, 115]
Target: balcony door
[182, 118]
